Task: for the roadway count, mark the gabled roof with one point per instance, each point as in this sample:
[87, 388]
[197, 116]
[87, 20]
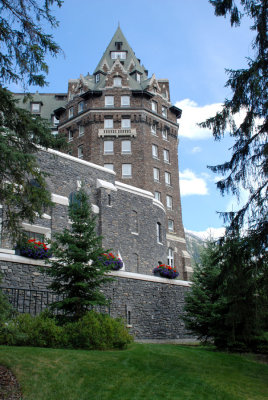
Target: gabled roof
[130, 55]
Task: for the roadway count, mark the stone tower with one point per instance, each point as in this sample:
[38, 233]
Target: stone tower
[122, 119]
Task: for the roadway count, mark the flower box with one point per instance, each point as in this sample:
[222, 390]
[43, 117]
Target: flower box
[112, 261]
[34, 249]
[166, 271]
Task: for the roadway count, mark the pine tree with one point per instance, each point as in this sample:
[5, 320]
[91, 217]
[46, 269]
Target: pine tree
[226, 303]
[24, 45]
[248, 165]
[77, 270]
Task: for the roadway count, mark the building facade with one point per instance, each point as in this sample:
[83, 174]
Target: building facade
[122, 119]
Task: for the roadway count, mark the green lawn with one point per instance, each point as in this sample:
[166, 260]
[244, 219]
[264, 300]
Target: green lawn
[144, 371]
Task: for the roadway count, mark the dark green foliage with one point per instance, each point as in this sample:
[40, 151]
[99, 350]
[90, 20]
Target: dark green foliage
[23, 42]
[248, 166]
[78, 270]
[20, 138]
[23, 46]
[97, 331]
[93, 331]
[6, 310]
[39, 331]
[227, 303]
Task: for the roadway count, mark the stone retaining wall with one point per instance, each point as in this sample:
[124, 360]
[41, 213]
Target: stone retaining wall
[152, 307]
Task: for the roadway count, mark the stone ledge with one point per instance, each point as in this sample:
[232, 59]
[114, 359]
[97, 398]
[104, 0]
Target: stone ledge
[20, 260]
[150, 278]
[120, 274]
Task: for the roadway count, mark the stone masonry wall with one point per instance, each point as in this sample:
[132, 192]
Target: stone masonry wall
[150, 306]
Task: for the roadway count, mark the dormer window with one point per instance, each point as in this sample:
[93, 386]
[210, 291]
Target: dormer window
[117, 81]
[118, 45]
[36, 108]
[138, 77]
[122, 55]
[97, 78]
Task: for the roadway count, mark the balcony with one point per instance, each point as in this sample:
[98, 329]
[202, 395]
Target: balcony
[117, 132]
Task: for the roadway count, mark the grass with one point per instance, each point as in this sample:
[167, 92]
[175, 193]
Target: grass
[143, 371]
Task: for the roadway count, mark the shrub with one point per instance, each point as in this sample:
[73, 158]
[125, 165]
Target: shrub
[93, 331]
[39, 331]
[97, 331]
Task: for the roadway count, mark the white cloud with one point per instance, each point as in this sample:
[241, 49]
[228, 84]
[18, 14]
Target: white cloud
[196, 149]
[209, 233]
[193, 114]
[191, 184]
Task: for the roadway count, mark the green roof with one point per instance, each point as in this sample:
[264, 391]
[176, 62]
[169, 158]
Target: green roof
[49, 102]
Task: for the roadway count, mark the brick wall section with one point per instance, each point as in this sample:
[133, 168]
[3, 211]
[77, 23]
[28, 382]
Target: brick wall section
[152, 309]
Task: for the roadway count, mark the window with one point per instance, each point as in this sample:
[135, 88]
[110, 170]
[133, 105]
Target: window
[109, 166]
[170, 257]
[109, 101]
[126, 170]
[138, 77]
[108, 123]
[55, 120]
[171, 225]
[169, 202]
[35, 235]
[126, 146]
[158, 232]
[154, 151]
[108, 147]
[157, 196]
[71, 112]
[153, 129]
[81, 106]
[80, 151]
[125, 101]
[117, 81]
[97, 78]
[166, 155]
[81, 130]
[167, 178]
[156, 175]
[118, 54]
[36, 107]
[154, 106]
[164, 134]
[70, 135]
[125, 123]
[164, 111]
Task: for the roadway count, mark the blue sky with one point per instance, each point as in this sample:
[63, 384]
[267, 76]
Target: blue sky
[182, 41]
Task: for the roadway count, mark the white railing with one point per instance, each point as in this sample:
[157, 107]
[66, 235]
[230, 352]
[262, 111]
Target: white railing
[117, 132]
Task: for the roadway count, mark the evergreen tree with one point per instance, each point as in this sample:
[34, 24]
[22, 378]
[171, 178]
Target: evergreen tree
[248, 166]
[226, 303]
[78, 270]
[24, 45]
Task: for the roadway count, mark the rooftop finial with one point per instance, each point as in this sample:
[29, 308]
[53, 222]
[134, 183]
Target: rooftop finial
[118, 24]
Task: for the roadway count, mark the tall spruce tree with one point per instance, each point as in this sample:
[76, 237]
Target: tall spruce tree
[226, 303]
[248, 166]
[23, 47]
[78, 270]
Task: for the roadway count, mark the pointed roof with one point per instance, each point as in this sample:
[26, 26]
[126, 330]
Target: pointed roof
[125, 47]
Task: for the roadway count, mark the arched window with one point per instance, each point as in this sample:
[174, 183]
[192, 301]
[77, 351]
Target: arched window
[170, 257]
